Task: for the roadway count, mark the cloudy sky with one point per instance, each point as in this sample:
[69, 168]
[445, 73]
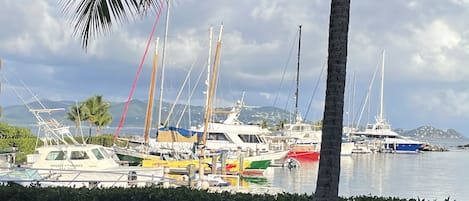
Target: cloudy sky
[426, 72]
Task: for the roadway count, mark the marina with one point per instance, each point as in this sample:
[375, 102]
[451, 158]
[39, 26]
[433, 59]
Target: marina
[63, 161]
[194, 137]
[429, 175]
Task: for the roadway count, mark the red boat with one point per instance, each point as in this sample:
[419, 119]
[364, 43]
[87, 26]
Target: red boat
[304, 152]
[304, 156]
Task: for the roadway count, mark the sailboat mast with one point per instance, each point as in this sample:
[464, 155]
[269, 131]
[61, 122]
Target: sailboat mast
[163, 62]
[209, 58]
[381, 116]
[208, 111]
[151, 93]
[298, 76]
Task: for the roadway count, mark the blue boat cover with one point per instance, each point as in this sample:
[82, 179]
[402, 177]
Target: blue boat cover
[183, 132]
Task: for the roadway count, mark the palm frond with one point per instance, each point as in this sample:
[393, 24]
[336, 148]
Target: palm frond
[94, 17]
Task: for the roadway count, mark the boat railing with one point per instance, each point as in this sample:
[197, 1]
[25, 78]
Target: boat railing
[277, 146]
[129, 176]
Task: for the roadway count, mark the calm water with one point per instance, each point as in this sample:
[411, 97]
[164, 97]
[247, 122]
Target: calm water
[431, 175]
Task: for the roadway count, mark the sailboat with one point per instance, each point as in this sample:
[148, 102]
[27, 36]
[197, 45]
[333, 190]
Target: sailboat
[306, 138]
[380, 133]
[228, 136]
[306, 145]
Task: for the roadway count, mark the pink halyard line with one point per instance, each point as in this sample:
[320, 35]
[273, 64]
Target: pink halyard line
[124, 113]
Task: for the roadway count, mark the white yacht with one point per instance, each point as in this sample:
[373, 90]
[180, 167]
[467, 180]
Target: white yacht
[233, 135]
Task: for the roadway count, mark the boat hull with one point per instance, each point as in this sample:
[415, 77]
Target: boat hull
[405, 148]
[304, 156]
[311, 153]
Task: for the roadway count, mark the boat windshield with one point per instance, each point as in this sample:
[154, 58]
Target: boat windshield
[97, 154]
[78, 155]
[249, 138]
[217, 136]
[56, 155]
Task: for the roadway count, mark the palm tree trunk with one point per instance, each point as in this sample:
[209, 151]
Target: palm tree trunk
[327, 186]
[90, 125]
[76, 127]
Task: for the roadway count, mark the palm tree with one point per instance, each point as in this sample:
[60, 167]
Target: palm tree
[97, 112]
[76, 114]
[93, 17]
[103, 119]
[327, 185]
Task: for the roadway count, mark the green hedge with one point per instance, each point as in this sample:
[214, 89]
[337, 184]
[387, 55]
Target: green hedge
[16, 192]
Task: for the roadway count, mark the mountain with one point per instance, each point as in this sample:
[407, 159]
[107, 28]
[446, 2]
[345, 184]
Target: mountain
[431, 132]
[19, 114]
[136, 114]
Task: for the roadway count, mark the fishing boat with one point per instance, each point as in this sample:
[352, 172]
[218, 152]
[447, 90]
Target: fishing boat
[87, 165]
[62, 161]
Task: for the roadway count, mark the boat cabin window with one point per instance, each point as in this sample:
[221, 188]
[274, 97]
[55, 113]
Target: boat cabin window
[78, 155]
[217, 136]
[297, 128]
[97, 154]
[262, 139]
[249, 138]
[56, 155]
[105, 153]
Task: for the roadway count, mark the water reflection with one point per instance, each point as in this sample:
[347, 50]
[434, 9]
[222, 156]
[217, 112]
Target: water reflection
[303, 180]
[436, 175]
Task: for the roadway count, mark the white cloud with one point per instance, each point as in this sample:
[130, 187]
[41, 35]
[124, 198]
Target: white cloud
[266, 10]
[186, 48]
[36, 29]
[437, 36]
[442, 103]
[431, 52]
